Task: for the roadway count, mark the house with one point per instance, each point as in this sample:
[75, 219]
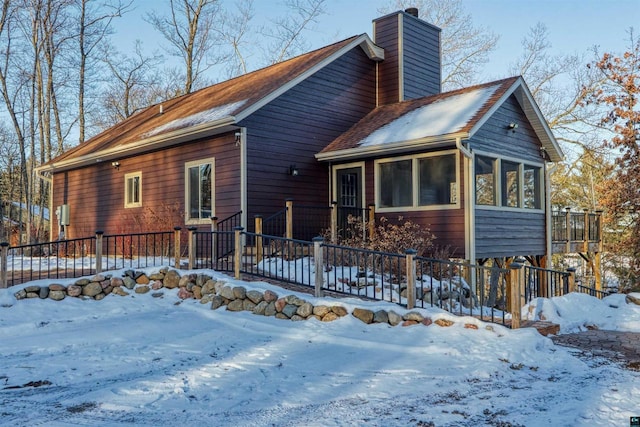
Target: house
[16, 218]
[362, 121]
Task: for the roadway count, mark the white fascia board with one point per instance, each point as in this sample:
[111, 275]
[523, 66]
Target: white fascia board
[225, 124]
[395, 148]
[373, 52]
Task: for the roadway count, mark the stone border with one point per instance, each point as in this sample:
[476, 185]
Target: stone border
[218, 293]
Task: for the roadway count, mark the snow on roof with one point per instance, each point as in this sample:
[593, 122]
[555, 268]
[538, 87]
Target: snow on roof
[442, 117]
[202, 117]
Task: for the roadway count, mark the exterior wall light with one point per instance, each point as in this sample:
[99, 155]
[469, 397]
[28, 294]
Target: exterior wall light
[115, 165]
[293, 170]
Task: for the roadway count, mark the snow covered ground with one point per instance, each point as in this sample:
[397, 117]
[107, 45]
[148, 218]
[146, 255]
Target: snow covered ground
[145, 361]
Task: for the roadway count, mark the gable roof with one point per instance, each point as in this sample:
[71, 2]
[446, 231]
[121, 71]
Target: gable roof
[439, 118]
[212, 110]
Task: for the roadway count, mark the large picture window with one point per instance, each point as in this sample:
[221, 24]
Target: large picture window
[417, 182]
[133, 190]
[199, 190]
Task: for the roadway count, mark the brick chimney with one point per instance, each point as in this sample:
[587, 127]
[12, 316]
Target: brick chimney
[411, 68]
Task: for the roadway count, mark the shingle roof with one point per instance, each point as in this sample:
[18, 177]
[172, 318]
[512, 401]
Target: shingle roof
[224, 99]
[458, 113]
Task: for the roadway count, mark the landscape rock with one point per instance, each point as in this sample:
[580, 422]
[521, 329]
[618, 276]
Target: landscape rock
[99, 296]
[339, 310]
[270, 296]
[289, 310]
[409, 323]
[57, 287]
[143, 279]
[281, 316]
[363, 315]
[630, 299]
[57, 295]
[380, 316]
[270, 309]
[321, 310]
[92, 289]
[427, 321]
[227, 292]
[260, 308]
[297, 318]
[120, 291]
[44, 292]
[117, 281]
[209, 287]
[216, 302]
[32, 288]
[254, 296]
[129, 282]
[413, 315]
[330, 317]
[197, 292]
[74, 290]
[184, 281]
[33, 294]
[183, 293]
[305, 310]
[142, 289]
[239, 292]
[394, 318]
[248, 305]
[98, 278]
[443, 322]
[82, 282]
[280, 304]
[156, 276]
[156, 284]
[235, 305]
[171, 279]
[292, 299]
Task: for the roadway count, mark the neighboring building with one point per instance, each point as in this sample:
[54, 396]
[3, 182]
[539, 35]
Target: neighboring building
[360, 121]
[15, 220]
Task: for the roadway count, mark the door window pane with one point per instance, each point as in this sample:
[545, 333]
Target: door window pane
[510, 184]
[395, 184]
[349, 190]
[485, 180]
[437, 180]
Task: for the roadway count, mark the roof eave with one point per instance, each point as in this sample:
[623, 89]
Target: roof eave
[393, 148]
[222, 125]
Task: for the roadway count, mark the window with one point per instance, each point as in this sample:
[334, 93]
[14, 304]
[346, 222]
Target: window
[199, 190]
[510, 184]
[485, 181]
[395, 184]
[531, 185]
[133, 190]
[437, 181]
[417, 182]
[519, 184]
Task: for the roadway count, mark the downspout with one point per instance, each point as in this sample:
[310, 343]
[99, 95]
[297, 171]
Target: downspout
[547, 209]
[243, 177]
[469, 203]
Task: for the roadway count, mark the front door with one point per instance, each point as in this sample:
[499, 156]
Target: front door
[348, 191]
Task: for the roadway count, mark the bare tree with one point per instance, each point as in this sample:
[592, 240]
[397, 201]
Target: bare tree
[233, 30]
[94, 24]
[286, 33]
[188, 29]
[465, 46]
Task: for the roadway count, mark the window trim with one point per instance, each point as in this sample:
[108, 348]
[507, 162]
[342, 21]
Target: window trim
[187, 165]
[415, 182]
[127, 177]
[498, 182]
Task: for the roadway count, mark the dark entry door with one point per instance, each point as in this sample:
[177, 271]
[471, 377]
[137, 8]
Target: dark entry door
[349, 195]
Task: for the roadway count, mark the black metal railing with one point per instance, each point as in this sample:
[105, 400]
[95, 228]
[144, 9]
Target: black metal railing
[463, 289]
[215, 250]
[284, 260]
[540, 282]
[592, 291]
[229, 223]
[311, 221]
[569, 226]
[364, 273]
[276, 224]
[51, 260]
[137, 250]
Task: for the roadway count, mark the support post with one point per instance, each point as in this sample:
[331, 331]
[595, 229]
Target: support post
[318, 254]
[334, 222]
[289, 219]
[259, 248]
[214, 241]
[371, 220]
[515, 286]
[598, 256]
[176, 247]
[585, 232]
[192, 247]
[237, 253]
[411, 278]
[568, 227]
[4, 251]
[99, 235]
[571, 285]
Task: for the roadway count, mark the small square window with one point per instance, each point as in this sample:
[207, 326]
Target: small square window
[133, 190]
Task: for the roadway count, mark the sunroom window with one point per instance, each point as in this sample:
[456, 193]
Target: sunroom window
[199, 190]
[395, 184]
[510, 184]
[531, 184]
[416, 182]
[485, 181]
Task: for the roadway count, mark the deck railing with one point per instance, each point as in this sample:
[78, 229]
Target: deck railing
[576, 231]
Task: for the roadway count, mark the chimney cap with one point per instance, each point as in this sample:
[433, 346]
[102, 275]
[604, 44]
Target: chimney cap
[412, 11]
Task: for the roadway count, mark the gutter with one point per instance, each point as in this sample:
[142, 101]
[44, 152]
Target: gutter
[547, 209]
[469, 204]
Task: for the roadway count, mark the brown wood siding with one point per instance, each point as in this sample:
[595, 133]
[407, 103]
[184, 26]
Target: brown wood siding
[294, 127]
[95, 194]
[506, 234]
[386, 36]
[421, 58]
[447, 225]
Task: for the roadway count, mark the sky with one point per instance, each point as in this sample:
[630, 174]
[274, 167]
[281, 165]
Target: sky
[574, 26]
[153, 359]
